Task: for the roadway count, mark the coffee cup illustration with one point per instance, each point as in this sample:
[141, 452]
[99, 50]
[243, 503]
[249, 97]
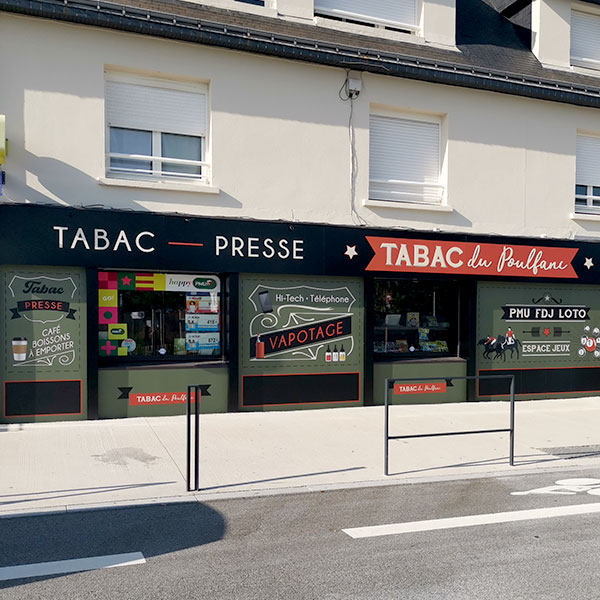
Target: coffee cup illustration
[19, 345]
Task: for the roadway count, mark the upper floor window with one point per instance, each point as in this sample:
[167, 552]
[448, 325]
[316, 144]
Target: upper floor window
[395, 14]
[585, 40]
[405, 159]
[155, 129]
[587, 178]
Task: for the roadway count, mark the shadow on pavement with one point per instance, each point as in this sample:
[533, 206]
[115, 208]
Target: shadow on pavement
[154, 530]
[282, 478]
[501, 460]
[62, 494]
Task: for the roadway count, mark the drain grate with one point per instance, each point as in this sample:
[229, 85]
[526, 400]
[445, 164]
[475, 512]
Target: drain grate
[568, 452]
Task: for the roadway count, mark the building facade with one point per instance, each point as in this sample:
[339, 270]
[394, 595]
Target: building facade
[287, 202]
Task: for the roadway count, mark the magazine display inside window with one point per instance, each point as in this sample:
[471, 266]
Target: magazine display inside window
[158, 316]
[415, 319]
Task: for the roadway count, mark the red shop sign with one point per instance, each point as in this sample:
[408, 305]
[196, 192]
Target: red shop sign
[158, 398]
[429, 256]
[420, 388]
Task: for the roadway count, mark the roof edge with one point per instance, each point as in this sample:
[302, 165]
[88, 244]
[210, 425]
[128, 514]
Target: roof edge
[183, 28]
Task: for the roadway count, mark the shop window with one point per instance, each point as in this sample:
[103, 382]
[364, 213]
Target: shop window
[585, 40]
[405, 160]
[158, 316]
[155, 129]
[587, 177]
[415, 319]
[400, 15]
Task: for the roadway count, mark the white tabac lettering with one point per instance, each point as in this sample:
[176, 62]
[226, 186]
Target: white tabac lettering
[388, 252]
[80, 237]
[403, 256]
[237, 246]
[61, 231]
[438, 259]
[138, 242]
[101, 235]
[475, 262]
[221, 243]
[269, 251]
[450, 261]
[298, 249]
[284, 251]
[256, 247]
[421, 254]
[122, 239]
[252, 247]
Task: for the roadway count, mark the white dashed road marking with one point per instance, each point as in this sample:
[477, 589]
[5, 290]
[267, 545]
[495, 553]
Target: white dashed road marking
[60, 567]
[472, 520]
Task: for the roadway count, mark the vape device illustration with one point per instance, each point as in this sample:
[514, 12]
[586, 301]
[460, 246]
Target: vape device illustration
[260, 347]
[265, 302]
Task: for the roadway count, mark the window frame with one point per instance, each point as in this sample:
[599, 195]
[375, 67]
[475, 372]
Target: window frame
[589, 208]
[397, 322]
[417, 200]
[583, 62]
[366, 20]
[173, 359]
[157, 174]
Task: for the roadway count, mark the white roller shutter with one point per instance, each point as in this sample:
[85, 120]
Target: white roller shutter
[155, 109]
[585, 38]
[588, 160]
[404, 158]
[395, 11]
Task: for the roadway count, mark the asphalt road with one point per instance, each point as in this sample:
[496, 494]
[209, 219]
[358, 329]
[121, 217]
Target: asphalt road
[294, 546]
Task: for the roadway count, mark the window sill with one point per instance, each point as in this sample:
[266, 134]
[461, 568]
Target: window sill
[584, 216]
[407, 205]
[171, 186]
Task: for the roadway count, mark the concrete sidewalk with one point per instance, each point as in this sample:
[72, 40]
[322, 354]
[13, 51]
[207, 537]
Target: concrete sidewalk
[93, 464]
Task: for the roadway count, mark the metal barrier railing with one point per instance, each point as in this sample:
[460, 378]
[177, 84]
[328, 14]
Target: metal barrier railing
[194, 397]
[391, 383]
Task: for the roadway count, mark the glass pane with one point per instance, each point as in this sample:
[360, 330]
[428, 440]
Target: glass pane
[147, 323]
[181, 146]
[596, 191]
[130, 141]
[580, 202]
[415, 318]
[581, 190]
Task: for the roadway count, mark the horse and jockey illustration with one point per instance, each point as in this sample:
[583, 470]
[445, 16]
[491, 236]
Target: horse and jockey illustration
[497, 347]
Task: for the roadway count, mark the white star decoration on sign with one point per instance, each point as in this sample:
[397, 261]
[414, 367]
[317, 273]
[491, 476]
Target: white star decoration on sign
[588, 263]
[351, 252]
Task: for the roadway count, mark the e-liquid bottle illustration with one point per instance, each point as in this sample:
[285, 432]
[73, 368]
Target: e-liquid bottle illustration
[260, 347]
[328, 354]
[342, 354]
[336, 355]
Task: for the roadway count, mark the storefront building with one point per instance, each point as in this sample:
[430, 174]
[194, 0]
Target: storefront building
[108, 314]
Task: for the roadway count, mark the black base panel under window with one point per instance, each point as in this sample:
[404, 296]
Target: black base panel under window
[265, 390]
[541, 381]
[36, 398]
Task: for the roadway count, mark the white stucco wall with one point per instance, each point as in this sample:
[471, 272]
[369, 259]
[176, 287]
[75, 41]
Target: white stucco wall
[551, 32]
[279, 137]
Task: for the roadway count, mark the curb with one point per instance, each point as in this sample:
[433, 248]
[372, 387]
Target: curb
[267, 492]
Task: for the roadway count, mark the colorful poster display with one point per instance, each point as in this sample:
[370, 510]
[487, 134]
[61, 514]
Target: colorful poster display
[164, 314]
